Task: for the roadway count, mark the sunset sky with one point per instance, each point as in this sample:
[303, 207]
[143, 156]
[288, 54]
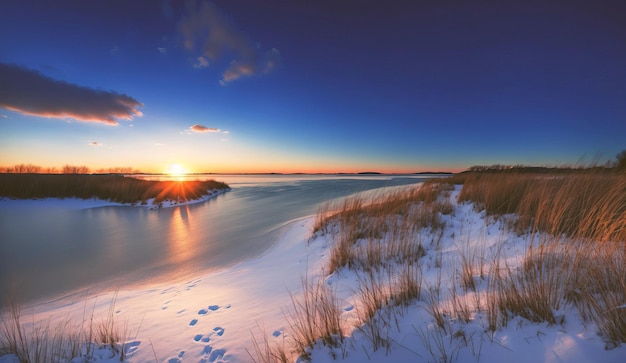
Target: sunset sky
[311, 86]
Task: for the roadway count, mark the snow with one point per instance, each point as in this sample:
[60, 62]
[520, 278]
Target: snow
[213, 317]
[77, 203]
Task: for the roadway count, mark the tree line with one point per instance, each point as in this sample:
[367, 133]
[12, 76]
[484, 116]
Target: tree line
[65, 169]
[618, 164]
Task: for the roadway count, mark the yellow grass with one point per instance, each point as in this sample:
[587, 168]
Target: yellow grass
[115, 188]
[576, 227]
[61, 341]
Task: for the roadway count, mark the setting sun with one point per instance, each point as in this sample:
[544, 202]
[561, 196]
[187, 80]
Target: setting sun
[176, 170]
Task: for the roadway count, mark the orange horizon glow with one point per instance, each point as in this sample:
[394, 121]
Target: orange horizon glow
[180, 170]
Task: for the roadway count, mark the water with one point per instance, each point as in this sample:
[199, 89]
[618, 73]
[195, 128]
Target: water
[47, 252]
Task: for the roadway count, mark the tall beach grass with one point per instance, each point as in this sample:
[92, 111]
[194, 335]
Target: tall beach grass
[115, 188]
[64, 339]
[574, 225]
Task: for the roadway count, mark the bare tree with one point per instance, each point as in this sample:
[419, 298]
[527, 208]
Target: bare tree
[75, 169]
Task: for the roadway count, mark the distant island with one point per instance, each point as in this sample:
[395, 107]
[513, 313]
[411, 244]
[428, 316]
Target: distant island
[114, 188]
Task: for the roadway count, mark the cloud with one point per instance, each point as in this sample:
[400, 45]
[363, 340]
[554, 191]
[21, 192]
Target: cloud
[238, 69]
[205, 27]
[162, 50]
[94, 143]
[31, 93]
[200, 128]
[202, 63]
[4, 116]
[115, 50]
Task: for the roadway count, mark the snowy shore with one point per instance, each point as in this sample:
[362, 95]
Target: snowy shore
[77, 203]
[212, 318]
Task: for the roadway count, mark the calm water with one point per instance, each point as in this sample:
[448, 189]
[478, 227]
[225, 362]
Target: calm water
[46, 252]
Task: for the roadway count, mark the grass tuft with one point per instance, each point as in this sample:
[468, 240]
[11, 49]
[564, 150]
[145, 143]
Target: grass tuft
[115, 188]
[61, 341]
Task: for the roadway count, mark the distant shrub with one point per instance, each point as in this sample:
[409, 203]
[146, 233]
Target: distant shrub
[115, 188]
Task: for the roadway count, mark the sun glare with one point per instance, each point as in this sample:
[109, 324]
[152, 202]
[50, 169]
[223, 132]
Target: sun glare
[176, 170]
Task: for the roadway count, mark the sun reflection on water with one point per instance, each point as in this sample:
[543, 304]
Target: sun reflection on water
[181, 241]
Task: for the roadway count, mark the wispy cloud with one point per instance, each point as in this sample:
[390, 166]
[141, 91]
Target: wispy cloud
[32, 93]
[115, 50]
[162, 50]
[202, 63]
[201, 128]
[94, 143]
[204, 26]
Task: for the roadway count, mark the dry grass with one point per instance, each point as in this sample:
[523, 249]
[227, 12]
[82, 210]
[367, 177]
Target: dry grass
[264, 352]
[584, 205]
[373, 232]
[575, 225]
[315, 317]
[115, 188]
[63, 340]
[577, 256]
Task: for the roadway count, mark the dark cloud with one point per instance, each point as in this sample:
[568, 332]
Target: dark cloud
[205, 27]
[94, 143]
[31, 93]
[200, 128]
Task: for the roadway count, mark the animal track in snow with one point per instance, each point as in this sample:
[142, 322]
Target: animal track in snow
[202, 338]
[213, 356]
[217, 354]
[177, 359]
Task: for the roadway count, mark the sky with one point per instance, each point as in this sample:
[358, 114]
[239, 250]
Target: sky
[311, 86]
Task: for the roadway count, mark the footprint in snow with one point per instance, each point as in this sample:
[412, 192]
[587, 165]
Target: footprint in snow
[193, 284]
[210, 308]
[202, 338]
[206, 350]
[217, 354]
[177, 359]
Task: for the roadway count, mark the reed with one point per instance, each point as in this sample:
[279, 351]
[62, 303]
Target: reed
[575, 225]
[315, 316]
[584, 205]
[63, 340]
[115, 188]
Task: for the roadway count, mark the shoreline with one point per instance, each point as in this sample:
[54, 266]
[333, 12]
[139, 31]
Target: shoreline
[220, 316]
[79, 203]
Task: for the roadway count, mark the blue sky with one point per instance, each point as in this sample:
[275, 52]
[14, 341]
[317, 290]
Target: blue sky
[325, 86]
